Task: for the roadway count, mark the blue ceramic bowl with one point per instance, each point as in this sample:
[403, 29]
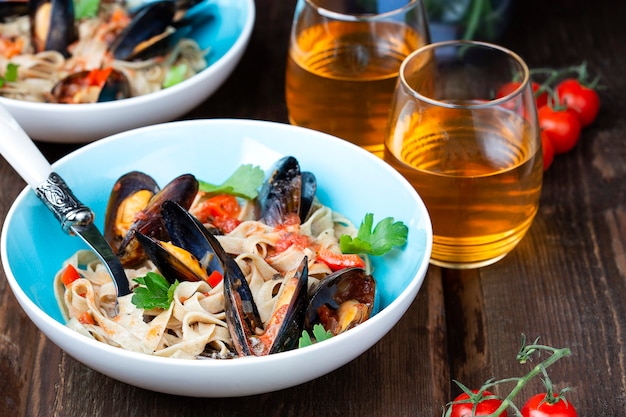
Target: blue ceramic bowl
[350, 180]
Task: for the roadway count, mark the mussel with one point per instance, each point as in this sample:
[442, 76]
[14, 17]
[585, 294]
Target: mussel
[148, 220]
[341, 300]
[52, 25]
[157, 26]
[91, 86]
[287, 192]
[188, 255]
[149, 22]
[130, 194]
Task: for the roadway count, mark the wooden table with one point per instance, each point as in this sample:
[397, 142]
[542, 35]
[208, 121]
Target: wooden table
[565, 282]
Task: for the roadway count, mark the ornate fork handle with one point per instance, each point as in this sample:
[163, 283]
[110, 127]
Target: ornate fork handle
[58, 197]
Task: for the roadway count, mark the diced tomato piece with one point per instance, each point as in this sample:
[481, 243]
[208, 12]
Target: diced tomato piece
[86, 318]
[9, 48]
[337, 261]
[97, 77]
[69, 275]
[288, 239]
[214, 278]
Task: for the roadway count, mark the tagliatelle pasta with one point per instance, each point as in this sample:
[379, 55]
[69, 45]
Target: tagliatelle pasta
[195, 326]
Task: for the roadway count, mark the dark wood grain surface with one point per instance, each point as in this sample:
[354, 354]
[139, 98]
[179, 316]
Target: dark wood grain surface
[565, 282]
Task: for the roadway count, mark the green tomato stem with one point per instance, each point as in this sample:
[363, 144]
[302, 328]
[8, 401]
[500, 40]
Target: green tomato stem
[523, 356]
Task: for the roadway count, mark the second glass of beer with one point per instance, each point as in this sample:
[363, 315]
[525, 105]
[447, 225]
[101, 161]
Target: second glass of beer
[344, 57]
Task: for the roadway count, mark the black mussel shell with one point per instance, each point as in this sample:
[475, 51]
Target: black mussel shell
[351, 288]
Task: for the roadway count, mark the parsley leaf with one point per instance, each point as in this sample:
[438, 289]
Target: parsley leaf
[86, 8]
[381, 240]
[244, 183]
[319, 333]
[153, 292]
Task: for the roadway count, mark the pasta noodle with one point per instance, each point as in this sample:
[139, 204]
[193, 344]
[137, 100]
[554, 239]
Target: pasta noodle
[195, 326]
[39, 72]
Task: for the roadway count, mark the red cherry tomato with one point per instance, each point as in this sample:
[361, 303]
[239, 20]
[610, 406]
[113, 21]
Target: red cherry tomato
[583, 100]
[537, 407]
[548, 151]
[508, 88]
[562, 127]
[462, 405]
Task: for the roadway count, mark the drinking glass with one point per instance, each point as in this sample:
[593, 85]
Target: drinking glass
[344, 57]
[472, 153]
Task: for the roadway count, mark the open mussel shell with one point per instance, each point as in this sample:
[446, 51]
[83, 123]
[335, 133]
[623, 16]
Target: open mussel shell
[88, 87]
[52, 25]
[150, 22]
[130, 194]
[287, 191]
[187, 232]
[341, 300]
[182, 190]
[173, 262]
[188, 256]
[284, 328]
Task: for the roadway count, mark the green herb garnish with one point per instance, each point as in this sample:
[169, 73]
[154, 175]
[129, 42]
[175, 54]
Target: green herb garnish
[244, 183]
[175, 75]
[319, 333]
[84, 9]
[153, 292]
[10, 74]
[386, 235]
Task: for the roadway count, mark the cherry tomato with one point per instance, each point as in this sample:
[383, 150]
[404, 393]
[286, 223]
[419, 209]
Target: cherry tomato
[537, 407]
[562, 127]
[508, 88]
[548, 151]
[484, 407]
[583, 100]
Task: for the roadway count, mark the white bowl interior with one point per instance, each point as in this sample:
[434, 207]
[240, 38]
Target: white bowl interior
[350, 180]
[226, 36]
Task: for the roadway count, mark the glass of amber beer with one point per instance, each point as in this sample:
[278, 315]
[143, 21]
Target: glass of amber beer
[344, 57]
[472, 153]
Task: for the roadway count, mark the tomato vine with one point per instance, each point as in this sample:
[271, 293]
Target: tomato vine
[472, 399]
